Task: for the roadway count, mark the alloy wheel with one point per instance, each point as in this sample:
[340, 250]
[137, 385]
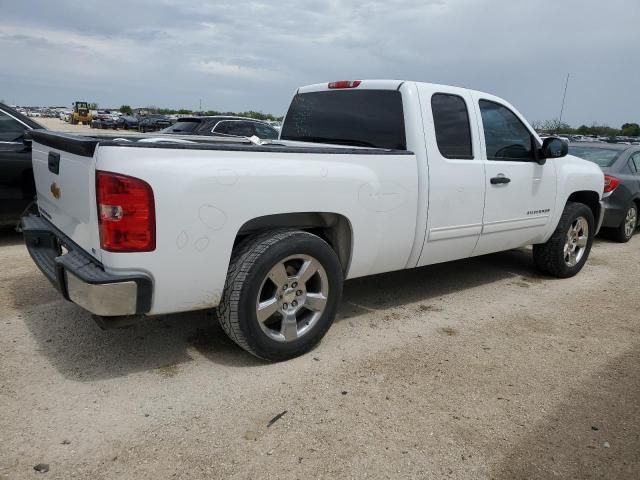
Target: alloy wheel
[576, 242]
[292, 298]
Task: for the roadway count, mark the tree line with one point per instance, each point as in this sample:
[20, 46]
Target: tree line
[563, 128]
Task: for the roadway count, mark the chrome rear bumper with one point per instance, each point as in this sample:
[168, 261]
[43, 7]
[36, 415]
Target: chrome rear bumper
[79, 277]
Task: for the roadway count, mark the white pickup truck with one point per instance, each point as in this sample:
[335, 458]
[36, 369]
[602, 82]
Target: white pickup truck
[368, 177]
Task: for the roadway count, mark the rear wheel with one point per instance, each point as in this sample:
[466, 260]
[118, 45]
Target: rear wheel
[281, 295]
[628, 226]
[566, 252]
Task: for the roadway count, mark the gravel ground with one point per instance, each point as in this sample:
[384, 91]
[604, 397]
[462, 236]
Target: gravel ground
[60, 126]
[473, 369]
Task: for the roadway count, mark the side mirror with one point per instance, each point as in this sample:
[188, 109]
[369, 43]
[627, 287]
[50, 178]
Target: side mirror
[554, 147]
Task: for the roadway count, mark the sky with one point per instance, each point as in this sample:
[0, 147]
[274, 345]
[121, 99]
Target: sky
[251, 55]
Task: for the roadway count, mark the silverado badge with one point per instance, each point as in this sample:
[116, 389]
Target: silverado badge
[55, 191]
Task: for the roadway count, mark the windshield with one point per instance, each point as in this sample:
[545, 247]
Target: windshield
[185, 126]
[364, 118]
[603, 157]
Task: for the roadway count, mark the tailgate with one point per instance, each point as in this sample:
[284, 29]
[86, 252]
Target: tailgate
[64, 171]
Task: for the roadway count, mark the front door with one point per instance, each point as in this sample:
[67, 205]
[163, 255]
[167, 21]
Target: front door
[520, 192]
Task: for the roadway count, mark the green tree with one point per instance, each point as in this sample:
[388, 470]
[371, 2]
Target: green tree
[630, 130]
[126, 109]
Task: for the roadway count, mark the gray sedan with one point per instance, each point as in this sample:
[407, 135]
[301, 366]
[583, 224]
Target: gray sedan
[621, 167]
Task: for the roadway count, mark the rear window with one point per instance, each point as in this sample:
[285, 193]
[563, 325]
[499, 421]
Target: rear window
[451, 121]
[362, 118]
[604, 157]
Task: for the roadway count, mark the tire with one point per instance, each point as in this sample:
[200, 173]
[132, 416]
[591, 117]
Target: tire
[551, 257]
[628, 227]
[253, 278]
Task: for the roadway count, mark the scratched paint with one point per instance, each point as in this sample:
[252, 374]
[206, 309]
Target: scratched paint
[182, 240]
[212, 217]
[382, 197]
[226, 176]
[202, 243]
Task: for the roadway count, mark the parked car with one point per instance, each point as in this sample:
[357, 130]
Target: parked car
[268, 232]
[103, 120]
[621, 166]
[221, 126]
[126, 122]
[151, 123]
[17, 188]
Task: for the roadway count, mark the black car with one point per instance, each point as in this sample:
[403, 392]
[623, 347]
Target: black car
[223, 127]
[126, 122]
[621, 167]
[17, 187]
[103, 120]
[151, 123]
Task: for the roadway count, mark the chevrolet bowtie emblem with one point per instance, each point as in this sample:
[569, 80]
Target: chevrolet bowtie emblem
[55, 191]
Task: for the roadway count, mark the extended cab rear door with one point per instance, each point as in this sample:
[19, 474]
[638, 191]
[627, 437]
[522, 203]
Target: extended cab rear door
[456, 174]
[520, 192]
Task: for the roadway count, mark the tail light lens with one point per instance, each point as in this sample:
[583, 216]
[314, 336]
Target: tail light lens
[345, 84]
[610, 183]
[126, 213]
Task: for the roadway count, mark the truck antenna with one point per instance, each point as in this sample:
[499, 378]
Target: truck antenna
[564, 97]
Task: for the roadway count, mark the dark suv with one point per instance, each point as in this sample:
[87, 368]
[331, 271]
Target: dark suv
[222, 126]
[17, 188]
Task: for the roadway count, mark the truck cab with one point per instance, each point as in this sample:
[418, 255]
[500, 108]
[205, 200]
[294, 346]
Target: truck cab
[485, 183]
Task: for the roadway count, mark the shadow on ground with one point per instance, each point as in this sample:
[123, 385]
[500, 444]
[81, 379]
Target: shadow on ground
[78, 349]
[8, 237]
[593, 433]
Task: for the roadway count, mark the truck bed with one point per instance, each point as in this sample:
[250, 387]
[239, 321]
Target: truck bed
[85, 145]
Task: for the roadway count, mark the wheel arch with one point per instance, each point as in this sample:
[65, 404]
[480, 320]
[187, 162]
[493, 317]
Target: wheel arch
[334, 228]
[588, 197]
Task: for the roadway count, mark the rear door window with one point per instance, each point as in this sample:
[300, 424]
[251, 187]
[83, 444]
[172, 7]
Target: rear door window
[453, 130]
[363, 118]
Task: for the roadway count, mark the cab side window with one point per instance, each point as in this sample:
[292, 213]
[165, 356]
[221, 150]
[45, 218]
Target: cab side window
[451, 121]
[10, 129]
[505, 135]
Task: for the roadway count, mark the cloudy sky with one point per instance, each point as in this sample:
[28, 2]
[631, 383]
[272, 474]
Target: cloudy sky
[240, 55]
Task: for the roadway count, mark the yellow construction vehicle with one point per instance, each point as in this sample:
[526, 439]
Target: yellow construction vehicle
[80, 114]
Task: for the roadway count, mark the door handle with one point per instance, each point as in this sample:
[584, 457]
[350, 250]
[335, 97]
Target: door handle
[500, 180]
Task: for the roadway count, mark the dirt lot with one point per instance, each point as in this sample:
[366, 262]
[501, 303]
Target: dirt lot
[60, 126]
[474, 369]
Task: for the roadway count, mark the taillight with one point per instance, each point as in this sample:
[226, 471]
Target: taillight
[126, 213]
[345, 84]
[610, 183]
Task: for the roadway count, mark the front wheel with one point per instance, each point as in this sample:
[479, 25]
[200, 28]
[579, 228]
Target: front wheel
[566, 252]
[281, 294]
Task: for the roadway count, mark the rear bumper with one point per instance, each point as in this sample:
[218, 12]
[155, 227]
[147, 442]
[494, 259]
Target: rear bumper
[615, 211]
[79, 277]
